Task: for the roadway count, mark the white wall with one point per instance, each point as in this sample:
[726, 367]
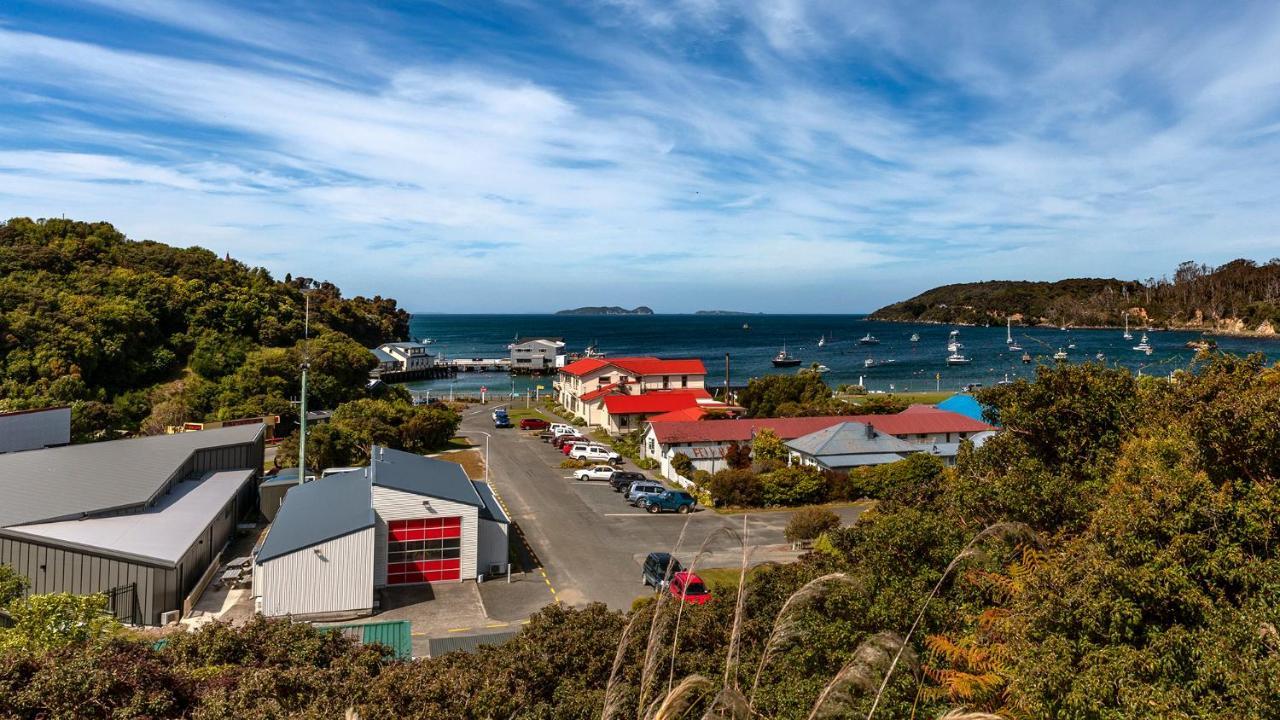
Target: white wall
[391, 504]
[337, 579]
[493, 546]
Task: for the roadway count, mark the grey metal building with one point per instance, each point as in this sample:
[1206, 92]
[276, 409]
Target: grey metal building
[143, 520]
[34, 429]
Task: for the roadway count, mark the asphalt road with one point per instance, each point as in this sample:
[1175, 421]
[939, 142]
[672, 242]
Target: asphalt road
[589, 542]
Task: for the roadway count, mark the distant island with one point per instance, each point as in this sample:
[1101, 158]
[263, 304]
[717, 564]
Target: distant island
[1241, 297]
[724, 312]
[606, 310]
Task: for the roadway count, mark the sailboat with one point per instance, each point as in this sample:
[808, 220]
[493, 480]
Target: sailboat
[1008, 337]
[785, 359]
[1143, 345]
[746, 326]
[1127, 335]
[915, 337]
[822, 341]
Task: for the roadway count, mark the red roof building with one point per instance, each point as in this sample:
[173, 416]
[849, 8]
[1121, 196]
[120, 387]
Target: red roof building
[584, 386]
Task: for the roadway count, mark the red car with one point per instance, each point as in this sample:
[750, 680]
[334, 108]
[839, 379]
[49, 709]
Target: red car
[561, 440]
[534, 424]
[686, 585]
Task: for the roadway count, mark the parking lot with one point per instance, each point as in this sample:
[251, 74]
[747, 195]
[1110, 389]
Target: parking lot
[587, 540]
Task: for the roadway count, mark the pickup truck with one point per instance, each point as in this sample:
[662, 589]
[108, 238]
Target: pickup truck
[594, 453]
[597, 472]
[669, 501]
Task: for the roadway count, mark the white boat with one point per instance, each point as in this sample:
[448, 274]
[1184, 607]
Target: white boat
[1005, 381]
[1071, 346]
[785, 359]
[1100, 357]
[746, 326]
[1008, 331]
[915, 337]
[956, 358]
[954, 346]
[822, 341]
[1127, 335]
[868, 339]
[1060, 355]
[869, 362]
[1143, 345]
[821, 369]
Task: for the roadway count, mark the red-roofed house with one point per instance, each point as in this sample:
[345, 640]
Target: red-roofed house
[705, 441]
[582, 387]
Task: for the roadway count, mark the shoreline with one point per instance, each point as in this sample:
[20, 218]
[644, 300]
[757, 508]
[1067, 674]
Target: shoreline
[1208, 332]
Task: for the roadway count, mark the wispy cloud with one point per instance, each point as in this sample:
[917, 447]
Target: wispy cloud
[723, 147]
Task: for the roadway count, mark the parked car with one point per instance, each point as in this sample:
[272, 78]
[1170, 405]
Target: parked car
[640, 489]
[568, 446]
[564, 429]
[561, 440]
[656, 573]
[534, 424]
[622, 479]
[670, 501]
[546, 436]
[597, 472]
[689, 587]
[595, 453]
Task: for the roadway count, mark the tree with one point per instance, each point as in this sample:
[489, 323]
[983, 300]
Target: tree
[47, 622]
[766, 445]
[735, 488]
[795, 485]
[12, 585]
[808, 523]
[763, 395]
[682, 465]
[737, 456]
[429, 428]
[327, 446]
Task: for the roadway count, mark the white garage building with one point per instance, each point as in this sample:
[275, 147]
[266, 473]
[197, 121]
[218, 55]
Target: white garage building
[404, 520]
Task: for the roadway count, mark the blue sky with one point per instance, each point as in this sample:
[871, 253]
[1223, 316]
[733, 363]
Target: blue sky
[768, 156]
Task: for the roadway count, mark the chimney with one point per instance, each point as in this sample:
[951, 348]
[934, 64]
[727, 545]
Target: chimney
[871, 431]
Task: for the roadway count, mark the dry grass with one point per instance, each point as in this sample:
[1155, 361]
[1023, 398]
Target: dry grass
[471, 460]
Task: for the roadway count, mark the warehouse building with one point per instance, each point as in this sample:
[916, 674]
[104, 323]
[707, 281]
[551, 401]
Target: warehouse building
[142, 520]
[404, 520]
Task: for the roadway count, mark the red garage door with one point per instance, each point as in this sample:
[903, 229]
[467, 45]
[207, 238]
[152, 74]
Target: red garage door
[424, 550]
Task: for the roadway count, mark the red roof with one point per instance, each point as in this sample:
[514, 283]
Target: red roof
[637, 366]
[926, 420]
[601, 392]
[685, 415]
[657, 401]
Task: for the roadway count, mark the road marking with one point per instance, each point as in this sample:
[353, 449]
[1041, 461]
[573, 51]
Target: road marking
[458, 629]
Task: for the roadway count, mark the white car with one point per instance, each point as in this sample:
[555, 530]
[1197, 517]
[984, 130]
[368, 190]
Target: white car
[559, 429]
[594, 453]
[597, 472]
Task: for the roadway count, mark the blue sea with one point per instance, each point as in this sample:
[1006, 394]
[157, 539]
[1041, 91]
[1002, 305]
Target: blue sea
[901, 365]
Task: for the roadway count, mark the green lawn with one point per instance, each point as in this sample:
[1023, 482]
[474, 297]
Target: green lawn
[925, 398]
[723, 579]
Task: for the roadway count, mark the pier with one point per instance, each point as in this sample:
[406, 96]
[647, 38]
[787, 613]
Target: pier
[479, 365]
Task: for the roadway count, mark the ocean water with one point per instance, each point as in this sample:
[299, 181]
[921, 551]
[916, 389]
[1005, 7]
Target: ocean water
[901, 365]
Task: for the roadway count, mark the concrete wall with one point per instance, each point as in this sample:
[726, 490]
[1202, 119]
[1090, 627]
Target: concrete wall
[333, 577]
[391, 504]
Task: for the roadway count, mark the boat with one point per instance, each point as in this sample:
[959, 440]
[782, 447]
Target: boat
[785, 359]
[915, 337]
[1071, 346]
[822, 341]
[869, 362]
[956, 358]
[868, 339]
[1060, 355]
[1026, 358]
[1015, 347]
[819, 368]
[1005, 381]
[1100, 357]
[954, 346]
[1008, 331]
[1127, 335]
[1143, 345]
[745, 326]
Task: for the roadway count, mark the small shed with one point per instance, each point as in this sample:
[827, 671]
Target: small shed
[271, 491]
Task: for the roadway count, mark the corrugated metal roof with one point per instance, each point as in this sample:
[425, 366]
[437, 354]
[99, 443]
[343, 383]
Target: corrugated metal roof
[395, 634]
[491, 507]
[849, 438]
[466, 643]
[837, 462]
[382, 355]
[161, 533]
[286, 476]
[655, 401]
[400, 470]
[66, 482]
[320, 510]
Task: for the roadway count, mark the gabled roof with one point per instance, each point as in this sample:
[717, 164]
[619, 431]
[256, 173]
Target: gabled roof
[382, 355]
[739, 430]
[491, 510]
[160, 534]
[966, 405]
[429, 477]
[655, 401]
[75, 480]
[686, 415]
[638, 366]
[849, 438]
[924, 420]
[320, 510]
[601, 392]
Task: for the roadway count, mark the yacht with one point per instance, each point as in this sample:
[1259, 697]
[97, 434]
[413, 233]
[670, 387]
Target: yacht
[821, 369]
[1008, 331]
[1005, 381]
[868, 339]
[1127, 335]
[822, 341]
[1060, 355]
[869, 362]
[915, 337]
[1071, 346]
[785, 359]
[746, 326]
[1026, 358]
[956, 358]
[1143, 345]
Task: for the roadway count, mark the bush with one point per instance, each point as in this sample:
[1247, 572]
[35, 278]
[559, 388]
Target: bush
[682, 465]
[647, 464]
[808, 523]
[738, 456]
[796, 485]
[700, 478]
[735, 488]
[574, 464]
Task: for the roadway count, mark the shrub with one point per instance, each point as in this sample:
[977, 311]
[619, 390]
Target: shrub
[735, 488]
[682, 465]
[808, 523]
[738, 456]
[796, 485]
[647, 464]
[766, 445]
[700, 478]
[574, 464]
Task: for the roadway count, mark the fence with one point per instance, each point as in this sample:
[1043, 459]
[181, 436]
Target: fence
[122, 602]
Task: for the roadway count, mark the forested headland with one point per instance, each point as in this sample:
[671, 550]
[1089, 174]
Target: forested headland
[1241, 296]
[138, 336]
[1113, 553]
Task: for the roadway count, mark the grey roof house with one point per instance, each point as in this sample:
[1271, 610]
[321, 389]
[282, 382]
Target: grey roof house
[848, 445]
[143, 520]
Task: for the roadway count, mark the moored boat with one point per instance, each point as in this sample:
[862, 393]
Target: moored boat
[785, 359]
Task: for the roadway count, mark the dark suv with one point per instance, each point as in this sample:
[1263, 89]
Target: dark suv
[656, 573]
[622, 479]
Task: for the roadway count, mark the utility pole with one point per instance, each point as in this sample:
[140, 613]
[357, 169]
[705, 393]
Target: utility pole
[726, 378]
[302, 414]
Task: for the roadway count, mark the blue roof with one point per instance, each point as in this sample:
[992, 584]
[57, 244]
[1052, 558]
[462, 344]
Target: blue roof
[320, 510]
[400, 470]
[491, 510]
[963, 405]
[286, 476]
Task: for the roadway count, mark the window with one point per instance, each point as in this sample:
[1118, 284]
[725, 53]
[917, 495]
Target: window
[424, 550]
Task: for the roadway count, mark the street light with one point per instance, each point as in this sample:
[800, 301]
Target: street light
[486, 455]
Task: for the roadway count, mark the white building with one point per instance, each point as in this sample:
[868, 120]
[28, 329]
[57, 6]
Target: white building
[404, 520]
[537, 355]
[403, 357]
[582, 386]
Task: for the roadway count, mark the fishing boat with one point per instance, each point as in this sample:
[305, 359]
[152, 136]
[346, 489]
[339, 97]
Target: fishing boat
[956, 358]
[1060, 355]
[1026, 358]
[1143, 345]
[868, 339]
[1127, 335]
[785, 359]
[915, 337]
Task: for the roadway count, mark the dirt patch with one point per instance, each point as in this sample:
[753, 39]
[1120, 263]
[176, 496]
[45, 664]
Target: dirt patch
[470, 460]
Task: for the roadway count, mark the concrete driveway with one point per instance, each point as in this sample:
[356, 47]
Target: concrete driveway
[589, 543]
